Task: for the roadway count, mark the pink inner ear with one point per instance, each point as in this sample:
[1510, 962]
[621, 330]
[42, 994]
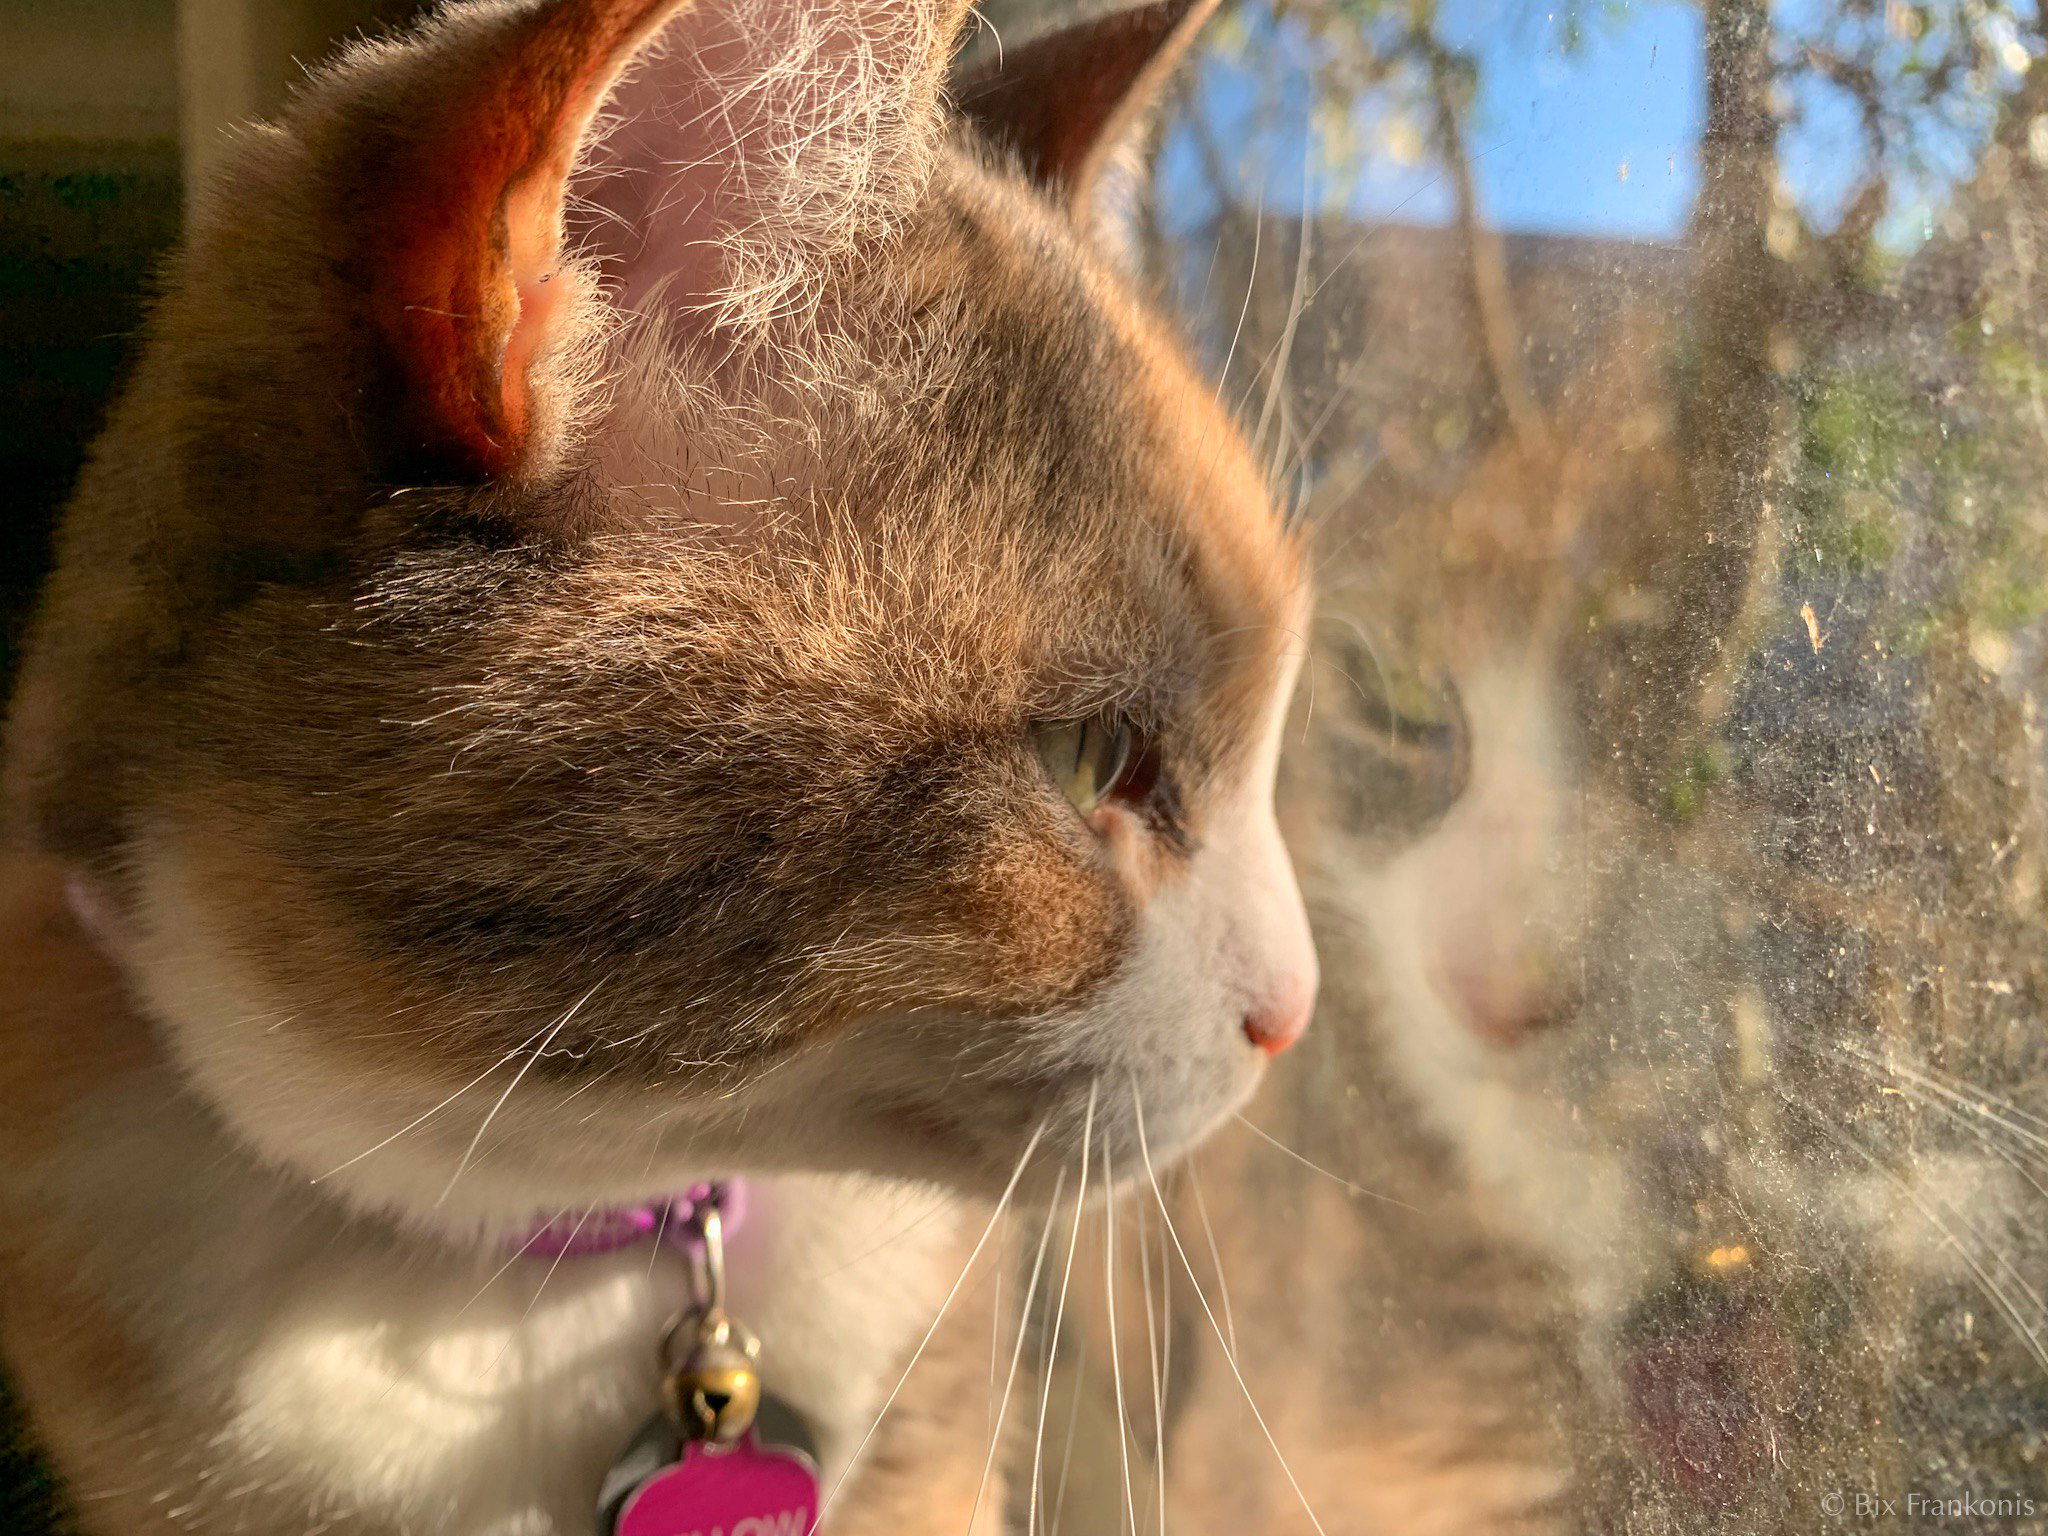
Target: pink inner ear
[537, 305]
[533, 250]
[651, 199]
[761, 123]
[469, 194]
[471, 229]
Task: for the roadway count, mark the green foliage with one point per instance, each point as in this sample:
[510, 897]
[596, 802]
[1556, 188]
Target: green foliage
[1704, 767]
[1930, 483]
[1858, 434]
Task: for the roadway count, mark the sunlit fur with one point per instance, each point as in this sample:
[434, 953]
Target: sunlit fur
[662, 803]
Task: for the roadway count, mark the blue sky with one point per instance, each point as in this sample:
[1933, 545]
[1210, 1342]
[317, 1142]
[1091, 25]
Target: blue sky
[1593, 137]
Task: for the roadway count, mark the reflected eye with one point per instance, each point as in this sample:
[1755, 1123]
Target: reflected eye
[1412, 706]
[1088, 761]
[1410, 759]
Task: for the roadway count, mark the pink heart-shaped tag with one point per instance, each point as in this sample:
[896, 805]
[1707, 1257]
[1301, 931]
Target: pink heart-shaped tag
[741, 1490]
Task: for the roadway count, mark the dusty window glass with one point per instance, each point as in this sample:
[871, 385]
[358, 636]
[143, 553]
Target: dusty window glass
[1666, 389]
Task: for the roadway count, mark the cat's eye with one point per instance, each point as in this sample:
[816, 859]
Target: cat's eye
[1088, 760]
[1412, 705]
[1410, 761]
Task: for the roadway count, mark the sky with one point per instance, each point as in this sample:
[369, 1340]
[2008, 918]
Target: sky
[1586, 123]
[1597, 139]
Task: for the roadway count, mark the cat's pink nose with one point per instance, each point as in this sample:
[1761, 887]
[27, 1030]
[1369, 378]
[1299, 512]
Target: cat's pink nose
[1282, 1019]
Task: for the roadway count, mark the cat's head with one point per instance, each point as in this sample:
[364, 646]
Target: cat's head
[1545, 948]
[653, 591]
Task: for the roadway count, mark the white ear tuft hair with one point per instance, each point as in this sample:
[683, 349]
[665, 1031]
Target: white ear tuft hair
[758, 144]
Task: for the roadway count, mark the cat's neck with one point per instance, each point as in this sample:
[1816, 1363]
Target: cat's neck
[383, 1367]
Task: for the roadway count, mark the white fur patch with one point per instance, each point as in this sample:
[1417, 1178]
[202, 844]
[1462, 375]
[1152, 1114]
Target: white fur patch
[352, 1367]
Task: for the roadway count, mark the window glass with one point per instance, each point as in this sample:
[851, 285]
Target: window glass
[1665, 387]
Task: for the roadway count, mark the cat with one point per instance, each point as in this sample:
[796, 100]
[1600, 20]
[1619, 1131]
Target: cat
[654, 609]
[1397, 1309]
[1691, 1100]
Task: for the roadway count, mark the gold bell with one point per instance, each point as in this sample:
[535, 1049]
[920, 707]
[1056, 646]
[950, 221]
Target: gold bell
[715, 1391]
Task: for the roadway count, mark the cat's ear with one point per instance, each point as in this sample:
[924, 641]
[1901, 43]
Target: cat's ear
[451, 182]
[742, 142]
[1066, 103]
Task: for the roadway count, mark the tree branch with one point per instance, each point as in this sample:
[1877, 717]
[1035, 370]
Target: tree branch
[1499, 328]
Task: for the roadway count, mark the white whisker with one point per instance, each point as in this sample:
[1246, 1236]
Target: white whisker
[995, 1437]
[517, 1254]
[1980, 1104]
[995, 1328]
[1335, 1178]
[1997, 1293]
[1073, 1424]
[1929, 1095]
[1060, 1316]
[1229, 1354]
[1116, 1353]
[1047, 1364]
[1152, 1359]
[418, 1121]
[1244, 311]
[512, 1333]
[1215, 1253]
[1002, 1204]
[537, 1053]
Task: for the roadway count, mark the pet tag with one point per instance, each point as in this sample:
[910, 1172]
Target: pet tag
[744, 1489]
[699, 1468]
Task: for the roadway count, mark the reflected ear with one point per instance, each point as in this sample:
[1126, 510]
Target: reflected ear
[1066, 103]
[452, 202]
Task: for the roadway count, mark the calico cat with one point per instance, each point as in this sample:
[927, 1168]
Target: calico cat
[652, 611]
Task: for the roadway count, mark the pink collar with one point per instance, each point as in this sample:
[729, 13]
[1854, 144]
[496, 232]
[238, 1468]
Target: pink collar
[677, 1221]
